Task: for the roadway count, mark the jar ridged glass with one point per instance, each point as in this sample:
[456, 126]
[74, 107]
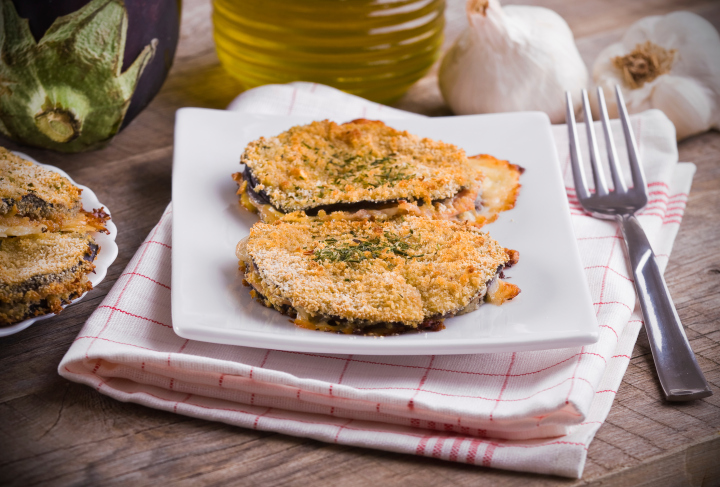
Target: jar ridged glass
[372, 48]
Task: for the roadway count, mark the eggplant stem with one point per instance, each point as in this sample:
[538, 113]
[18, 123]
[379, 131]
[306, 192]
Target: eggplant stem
[58, 124]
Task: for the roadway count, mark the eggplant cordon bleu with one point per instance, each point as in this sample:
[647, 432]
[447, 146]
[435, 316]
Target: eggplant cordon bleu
[374, 277]
[46, 246]
[365, 169]
[34, 200]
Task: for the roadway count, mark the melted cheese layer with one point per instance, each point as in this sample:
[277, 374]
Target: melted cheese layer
[82, 222]
[497, 193]
[460, 208]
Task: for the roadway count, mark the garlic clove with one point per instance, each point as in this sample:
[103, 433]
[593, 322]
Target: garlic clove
[643, 30]
[669, 62]
[515, 58]
[687, 103]
[606, 76]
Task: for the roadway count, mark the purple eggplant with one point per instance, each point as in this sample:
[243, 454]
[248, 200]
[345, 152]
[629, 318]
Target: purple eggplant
[75, 72]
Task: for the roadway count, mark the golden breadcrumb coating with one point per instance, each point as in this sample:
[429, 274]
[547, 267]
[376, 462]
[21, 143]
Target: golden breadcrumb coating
[404, 271]
[40, 273]
[324, 163]
[19, 177]
[35, 200]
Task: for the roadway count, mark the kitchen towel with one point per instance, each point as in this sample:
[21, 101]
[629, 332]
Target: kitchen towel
[527, 411]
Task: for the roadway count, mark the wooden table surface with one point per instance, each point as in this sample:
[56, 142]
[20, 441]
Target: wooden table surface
[57, 432]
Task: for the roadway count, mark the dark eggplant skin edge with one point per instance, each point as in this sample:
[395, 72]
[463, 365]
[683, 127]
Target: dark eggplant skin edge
[44, 279]
[28, 205]
[432, 323]
[147, 20]
[262, 197]
[42, 307]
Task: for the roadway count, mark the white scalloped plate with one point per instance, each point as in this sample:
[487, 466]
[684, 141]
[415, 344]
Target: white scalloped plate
[108, 248]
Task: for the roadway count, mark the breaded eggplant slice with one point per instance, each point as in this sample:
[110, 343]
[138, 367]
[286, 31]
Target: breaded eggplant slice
[374, 278]
[40, 273]
[34, 200]
[359, 169]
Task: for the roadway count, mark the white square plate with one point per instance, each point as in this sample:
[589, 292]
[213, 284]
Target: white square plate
[209, 302]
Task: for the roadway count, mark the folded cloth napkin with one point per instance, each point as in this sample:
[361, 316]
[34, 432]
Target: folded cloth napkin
[529, 411]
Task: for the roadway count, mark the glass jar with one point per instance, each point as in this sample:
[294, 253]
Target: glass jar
[371, 48]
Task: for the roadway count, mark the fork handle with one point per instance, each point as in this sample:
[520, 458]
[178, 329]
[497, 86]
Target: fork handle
[677, 368]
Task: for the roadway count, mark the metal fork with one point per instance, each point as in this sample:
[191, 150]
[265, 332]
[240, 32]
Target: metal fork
[677, 368]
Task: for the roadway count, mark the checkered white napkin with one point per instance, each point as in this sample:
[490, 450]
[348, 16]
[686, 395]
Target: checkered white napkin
[529, 411]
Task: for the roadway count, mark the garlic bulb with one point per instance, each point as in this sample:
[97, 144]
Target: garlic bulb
[512, 59]
[669, 62]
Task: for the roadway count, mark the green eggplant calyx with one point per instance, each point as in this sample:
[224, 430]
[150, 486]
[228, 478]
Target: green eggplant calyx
[67, 91]
[58, 124]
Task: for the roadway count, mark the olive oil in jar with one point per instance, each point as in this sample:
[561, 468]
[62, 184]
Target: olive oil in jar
[371, 48]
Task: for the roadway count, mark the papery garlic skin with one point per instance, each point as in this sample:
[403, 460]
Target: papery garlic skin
[515, 58]
[689, 93]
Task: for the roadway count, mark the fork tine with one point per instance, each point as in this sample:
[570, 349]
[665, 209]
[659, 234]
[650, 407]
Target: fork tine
[638, 176]
[615, 170]
[598, 175]
[581, 189]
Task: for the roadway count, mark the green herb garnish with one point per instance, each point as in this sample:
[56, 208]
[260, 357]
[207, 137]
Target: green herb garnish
[356, 250]
[367, 170]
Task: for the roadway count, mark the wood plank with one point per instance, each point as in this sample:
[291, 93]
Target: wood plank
[56, 432]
